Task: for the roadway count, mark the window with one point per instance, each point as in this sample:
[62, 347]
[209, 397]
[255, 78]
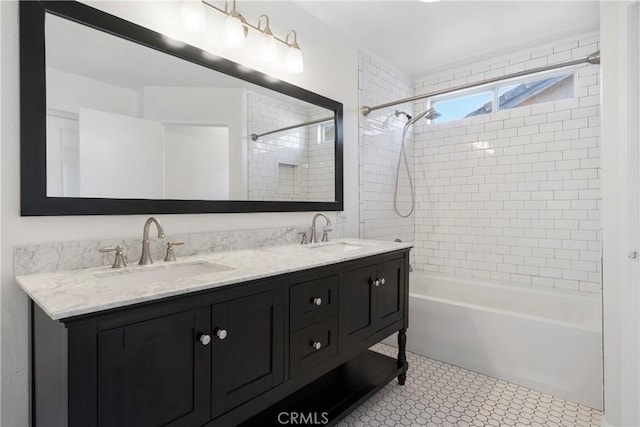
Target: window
[463, 106]
[326, 132]
[536, 91]
[533, 89]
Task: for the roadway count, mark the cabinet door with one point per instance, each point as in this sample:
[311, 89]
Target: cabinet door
[389, 295]
[356, 305]
[248, 349]
[156, 372]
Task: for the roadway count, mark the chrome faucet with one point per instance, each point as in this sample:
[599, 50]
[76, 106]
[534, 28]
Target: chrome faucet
[314, 237]
[145, 258]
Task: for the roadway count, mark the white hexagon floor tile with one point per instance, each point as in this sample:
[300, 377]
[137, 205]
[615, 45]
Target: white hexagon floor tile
[438, 394]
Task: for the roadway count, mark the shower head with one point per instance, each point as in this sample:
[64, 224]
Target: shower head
[430, 114]
[398, 113]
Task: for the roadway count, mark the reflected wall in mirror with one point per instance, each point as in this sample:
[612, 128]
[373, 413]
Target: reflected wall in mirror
[134, 124]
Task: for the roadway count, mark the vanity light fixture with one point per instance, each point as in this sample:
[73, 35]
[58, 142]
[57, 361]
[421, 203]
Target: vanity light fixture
[192, 15]
[236, 30]
[293, 61]
[268, 43]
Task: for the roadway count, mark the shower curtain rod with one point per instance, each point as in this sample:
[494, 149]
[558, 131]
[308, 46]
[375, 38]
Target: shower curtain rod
[594, 58]
[254, 137]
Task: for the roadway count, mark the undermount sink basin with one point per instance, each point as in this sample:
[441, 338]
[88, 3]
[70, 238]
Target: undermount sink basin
[160, 273]
[334, 247]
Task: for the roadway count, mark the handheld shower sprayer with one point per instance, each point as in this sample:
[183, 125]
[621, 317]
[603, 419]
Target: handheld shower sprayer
[429, 114]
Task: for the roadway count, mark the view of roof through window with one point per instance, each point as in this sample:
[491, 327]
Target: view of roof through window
[508, 96]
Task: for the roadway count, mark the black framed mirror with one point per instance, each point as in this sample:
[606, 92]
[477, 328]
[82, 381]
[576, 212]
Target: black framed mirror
[119, 119]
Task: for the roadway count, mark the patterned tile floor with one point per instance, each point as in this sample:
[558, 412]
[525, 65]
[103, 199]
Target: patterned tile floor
[438, 394]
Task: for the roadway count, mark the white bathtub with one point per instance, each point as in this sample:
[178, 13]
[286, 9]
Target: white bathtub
[548, 340]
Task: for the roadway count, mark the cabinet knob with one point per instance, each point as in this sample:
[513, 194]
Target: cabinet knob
[205, 339]
[316, 344]
[317, 301]
[382, 281]
[221, 333]
[376, 282]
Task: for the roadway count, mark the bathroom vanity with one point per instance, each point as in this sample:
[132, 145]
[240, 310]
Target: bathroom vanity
[251, 337]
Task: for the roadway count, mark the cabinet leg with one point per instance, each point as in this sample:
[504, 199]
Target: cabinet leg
[402, 356]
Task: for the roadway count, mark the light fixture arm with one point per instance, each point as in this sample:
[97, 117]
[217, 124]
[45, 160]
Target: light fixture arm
[226, 7]
[294, 43]
[235, 14]
[249, 25]
[267, 29]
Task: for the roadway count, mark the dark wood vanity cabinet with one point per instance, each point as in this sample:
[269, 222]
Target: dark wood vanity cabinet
[240, 354]
[372, 298]
[130, 390]
[248, 349]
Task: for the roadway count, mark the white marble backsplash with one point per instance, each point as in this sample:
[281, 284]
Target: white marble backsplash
[51, 257]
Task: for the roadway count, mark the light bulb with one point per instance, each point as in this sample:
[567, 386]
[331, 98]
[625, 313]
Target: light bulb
[268, 47]
[293, 61]
[192, 15]
[233, 31]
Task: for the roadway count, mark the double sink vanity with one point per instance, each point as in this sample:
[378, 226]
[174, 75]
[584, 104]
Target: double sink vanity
[249, 337]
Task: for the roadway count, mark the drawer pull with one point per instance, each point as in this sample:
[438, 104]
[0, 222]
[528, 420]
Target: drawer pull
[204, 339]
[221, 333]
[376, 282]
[317, 301]
[382, 281]
[316, 344]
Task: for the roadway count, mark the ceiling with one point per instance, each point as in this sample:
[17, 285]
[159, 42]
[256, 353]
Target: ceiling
[419, 37]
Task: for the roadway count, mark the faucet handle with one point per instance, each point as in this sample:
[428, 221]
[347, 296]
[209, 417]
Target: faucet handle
[325, 234]
[119, 261]
[170, 256]
[303, 240]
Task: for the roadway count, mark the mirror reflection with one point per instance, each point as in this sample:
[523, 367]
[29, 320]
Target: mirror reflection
[127, 121]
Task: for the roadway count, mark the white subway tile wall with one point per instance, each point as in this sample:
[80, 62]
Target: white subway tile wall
[288, 165]
[514, 195]
[275, 160]
[380, 139]
[321, 160]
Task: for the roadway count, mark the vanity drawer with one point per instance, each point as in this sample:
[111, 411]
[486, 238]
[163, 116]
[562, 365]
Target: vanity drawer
[313, 345]
[313, 301]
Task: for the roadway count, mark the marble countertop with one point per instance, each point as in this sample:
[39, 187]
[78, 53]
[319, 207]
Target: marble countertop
[71, 293]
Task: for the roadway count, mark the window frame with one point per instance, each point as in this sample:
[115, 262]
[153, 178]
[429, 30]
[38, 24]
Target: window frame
[494, 88]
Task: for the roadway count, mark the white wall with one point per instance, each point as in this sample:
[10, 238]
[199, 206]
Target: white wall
[196, 162]
[322, 52]
[2, 62]
[620, 293]
[120, 156]
[514, 195]
[206, 106]
[68, 92]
